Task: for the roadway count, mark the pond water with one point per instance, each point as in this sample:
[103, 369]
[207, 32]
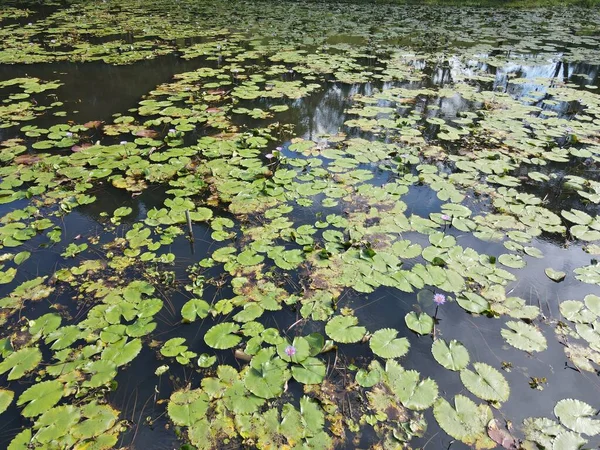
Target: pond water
[299, 224]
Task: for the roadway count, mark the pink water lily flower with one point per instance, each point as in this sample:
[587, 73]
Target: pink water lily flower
[439, 299]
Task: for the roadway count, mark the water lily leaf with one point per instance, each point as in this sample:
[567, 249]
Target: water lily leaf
[466, 422]
[221, 336]
[583, 233]
[593, 303]
[310, 371]
[56, 423]
[442, 240]
[21, 440]
[6, 398]
[21, 362]
[187, 407]
[500, 435]
[555, 275]
[40, 397]
[316, 341]
[577, 217]
[452, 356]
[249, 258]
[201, 215]
[414, 394]
[21, 257]
[195, 308]
[122, 352]
[534, 252]
[486, 383]
[577, 416]
[511, 260]
[8, 275]
[472, 302]
[344, 329]
[384, 343]
[568, 440]
[524, 337]
[122, 211]
[542, 430]
[419, 323]
[368, 378]
[97, 420]
[205, 360]
[266, 375]
[45, 324]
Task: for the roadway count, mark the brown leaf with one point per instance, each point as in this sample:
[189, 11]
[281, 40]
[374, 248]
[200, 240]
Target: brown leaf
[501, 436]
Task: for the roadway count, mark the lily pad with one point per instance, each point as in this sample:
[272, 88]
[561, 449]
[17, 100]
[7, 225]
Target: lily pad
[524, 337]
[486, 382]
[344, 329]
[384, 343]
[419, 323]
[555, 275]
[577, 416]
[222, 336]
[452, 356]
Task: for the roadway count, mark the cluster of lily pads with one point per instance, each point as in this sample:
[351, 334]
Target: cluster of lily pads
[295, 231]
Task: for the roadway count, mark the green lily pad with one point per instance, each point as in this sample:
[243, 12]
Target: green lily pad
[310, 371]
[222, 336]
[466, 421]
[384, 343]
[6, 398]
[486, 382]
[344, 329]
[21, 362]
[40, 397]
[577, 416]
[452, 356]
[555, 275]
[419, 323]
[524, 337]
[512, 261]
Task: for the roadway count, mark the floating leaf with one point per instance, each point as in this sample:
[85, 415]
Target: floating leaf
[555, 275]
[266, 375]
[500, 435]
[21, 362]
[368, 378]
[577, 416]
[512, 261]
[414, 393]
[419, 323]
[205, 360]
[6, 398]
[186, 407]
[310, 371]
[466, 422]
[486, 382]
[453, 356]
[344, 329]
[195, 308]
[221, 336]
[40, 397]
[568, 440]
[524, 337]
[472, 302]
[384, 343]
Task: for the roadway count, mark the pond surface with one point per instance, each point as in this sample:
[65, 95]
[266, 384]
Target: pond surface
[299, 225]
